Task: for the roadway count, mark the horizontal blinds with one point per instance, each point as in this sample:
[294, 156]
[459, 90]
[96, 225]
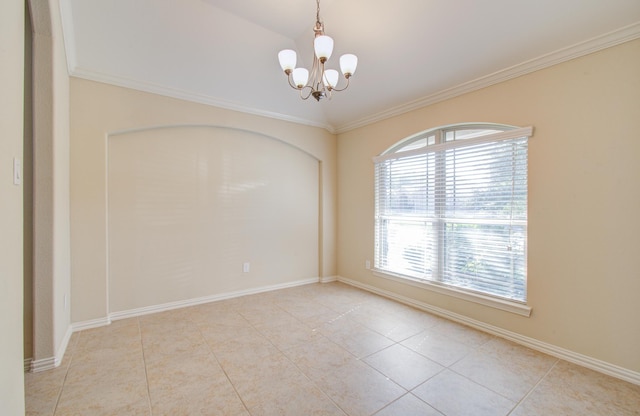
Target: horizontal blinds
[456, 214]
[495, 137]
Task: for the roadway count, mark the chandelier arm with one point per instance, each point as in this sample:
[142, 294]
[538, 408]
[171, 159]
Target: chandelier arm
[302, 92]
[342, 89]
[315, 76]
[291, 84]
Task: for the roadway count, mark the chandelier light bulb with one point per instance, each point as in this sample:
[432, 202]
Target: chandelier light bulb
[331, 78]
[287, 58]
[348, 64]
[323, 46]
[300, 77]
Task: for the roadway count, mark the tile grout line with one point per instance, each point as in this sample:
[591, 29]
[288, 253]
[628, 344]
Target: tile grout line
[530, 392]
[356, 358]
[144, 363]
[64, 380]
[324, 393]
[449, 368]
[215, 357]
[296, 366]
[394, 343]
[516, 403]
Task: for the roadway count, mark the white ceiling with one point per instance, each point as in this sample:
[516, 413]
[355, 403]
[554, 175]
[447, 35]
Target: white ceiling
[411, 52]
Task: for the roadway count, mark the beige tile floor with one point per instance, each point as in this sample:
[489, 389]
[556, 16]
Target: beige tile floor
[322, 349]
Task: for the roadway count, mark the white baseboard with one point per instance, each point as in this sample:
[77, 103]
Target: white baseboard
[131, 313]
[328, 279]
[206, 299]
[43, 364]
[93, 323]
[562, 353]
[36, 366]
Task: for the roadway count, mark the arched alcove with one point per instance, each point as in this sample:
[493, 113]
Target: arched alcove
[189, 206]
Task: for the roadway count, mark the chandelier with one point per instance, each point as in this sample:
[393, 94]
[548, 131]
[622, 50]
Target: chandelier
[321, 82]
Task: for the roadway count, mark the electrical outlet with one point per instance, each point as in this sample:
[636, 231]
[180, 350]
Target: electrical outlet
[246, 267]
[367, 264]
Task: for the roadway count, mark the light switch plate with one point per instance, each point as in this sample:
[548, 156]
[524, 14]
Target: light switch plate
[17, 171]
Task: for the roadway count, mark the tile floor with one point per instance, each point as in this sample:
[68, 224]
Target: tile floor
[322, 349]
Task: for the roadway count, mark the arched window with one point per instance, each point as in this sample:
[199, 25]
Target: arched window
[451, 209]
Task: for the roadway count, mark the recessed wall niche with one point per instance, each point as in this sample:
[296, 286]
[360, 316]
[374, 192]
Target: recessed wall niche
[189, 205]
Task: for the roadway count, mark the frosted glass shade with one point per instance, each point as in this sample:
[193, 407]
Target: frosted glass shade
[287, 58]
[348, 64]
[300, 77]
[323, 45]
[331, 78]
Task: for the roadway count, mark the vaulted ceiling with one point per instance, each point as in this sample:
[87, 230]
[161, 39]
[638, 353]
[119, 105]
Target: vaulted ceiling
[411, 52]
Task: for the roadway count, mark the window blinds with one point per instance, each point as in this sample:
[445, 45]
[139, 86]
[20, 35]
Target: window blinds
[456, 213]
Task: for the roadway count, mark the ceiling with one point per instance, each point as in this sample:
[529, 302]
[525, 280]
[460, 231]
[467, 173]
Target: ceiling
[411, 52]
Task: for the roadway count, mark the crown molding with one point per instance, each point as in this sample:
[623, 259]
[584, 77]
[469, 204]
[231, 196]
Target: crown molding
[616, 37]
[75, 70]
[83, 73]
[68, 30]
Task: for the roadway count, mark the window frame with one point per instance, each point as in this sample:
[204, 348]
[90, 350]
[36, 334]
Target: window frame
[438, 142]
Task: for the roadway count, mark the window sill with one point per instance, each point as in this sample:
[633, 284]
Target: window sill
[502, 304]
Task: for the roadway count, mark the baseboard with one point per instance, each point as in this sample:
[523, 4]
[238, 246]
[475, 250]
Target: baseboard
[131, 313]
[206, 299]
[43, 364]
[93, 323]
[36, 366]
[328, 279]
[27, 364]
[553, 350]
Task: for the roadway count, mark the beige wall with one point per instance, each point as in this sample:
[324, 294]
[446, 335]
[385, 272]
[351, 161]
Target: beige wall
[61, 174]
[51, 222]
[584, 200]
[11, 119]
[99, 112]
